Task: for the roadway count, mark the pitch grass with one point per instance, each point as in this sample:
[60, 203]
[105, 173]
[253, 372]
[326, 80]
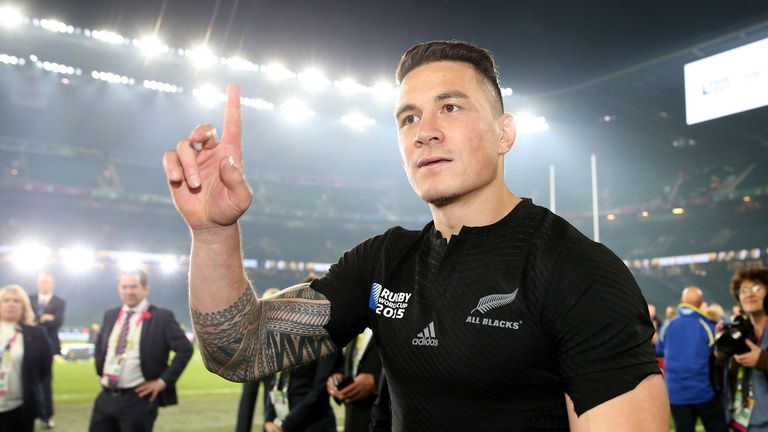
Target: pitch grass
[206, 402]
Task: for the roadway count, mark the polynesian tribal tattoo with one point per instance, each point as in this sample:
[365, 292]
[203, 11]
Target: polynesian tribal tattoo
[254, 338]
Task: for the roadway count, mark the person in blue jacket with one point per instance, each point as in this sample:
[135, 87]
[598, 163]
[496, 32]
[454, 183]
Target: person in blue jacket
[687, 342]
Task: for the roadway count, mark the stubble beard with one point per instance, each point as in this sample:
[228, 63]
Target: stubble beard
[442, 200]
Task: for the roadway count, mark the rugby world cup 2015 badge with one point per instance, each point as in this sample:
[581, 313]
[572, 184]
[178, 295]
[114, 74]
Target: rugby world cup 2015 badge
[387, 303]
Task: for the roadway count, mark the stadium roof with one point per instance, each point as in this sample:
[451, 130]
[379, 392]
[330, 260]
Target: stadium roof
[540, 46]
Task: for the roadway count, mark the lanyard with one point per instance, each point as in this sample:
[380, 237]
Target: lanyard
[278, 375]
[131, 332]
[360, 346]
[6, 350]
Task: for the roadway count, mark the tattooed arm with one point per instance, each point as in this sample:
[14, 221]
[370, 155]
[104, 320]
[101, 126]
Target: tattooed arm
[250, 338]
[241, 338]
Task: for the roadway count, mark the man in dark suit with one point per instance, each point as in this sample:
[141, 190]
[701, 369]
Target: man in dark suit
[362, 362]
[132, 353]
[49, 313]
[297, 401]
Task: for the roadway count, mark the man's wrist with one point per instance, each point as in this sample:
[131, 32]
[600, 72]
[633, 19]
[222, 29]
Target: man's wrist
[215, 235]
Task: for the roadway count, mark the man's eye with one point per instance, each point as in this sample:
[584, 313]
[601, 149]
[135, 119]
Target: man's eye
[409, 119]
[451, 108]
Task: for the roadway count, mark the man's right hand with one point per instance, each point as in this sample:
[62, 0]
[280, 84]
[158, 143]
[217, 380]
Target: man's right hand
[330, 385]
[205, 174]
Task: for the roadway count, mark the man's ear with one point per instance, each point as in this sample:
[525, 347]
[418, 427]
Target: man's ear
[508, 133]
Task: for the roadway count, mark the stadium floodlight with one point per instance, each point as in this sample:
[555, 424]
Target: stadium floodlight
[314, 79]
[10, 60]
[151, 46]
[10, 16]
[201, 57]
[169, 264]
[209, 96]
[77, 259]
[277, 71]
[57, 68]
[296, 110]
[506, 91]
[112, 78]
[161, 86]
[529, 123]
[30, 256]
[109, 37]
[241, 64]
[350, 86]
[259, 104]
[384, 91]
[644, 213]
[357, 121]
[611, 216]
[678, 211]
[128, 261]
[56, 26]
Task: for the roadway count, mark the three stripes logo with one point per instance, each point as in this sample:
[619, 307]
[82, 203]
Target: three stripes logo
[426, 337]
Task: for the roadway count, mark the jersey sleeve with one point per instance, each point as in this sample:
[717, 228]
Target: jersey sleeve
[347, 286]
[599, 321]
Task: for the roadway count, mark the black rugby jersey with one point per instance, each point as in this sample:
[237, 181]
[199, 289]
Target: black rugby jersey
[488, 332]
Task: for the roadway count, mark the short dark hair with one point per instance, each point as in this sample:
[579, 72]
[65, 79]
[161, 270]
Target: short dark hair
[754, 274]
[142, 275]
[452, 50]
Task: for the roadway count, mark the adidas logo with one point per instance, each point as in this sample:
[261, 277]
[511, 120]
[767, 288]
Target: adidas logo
[426, 337]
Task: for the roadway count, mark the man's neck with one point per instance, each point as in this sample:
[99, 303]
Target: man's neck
[479, 208]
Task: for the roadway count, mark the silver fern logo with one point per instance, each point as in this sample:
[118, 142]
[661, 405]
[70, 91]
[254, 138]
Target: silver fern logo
[489, 303]
[494, 301]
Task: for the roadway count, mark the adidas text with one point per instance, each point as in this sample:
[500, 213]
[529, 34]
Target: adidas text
[426, 337]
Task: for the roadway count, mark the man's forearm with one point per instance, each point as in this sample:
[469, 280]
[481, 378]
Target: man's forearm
[242, 338]
[216, 275]
[223, 306]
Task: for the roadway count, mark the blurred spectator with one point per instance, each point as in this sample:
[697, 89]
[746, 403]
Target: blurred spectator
[109, 180]
[746, 380]
[736, 311]
[715, 312]
[132, 354]
[655, 338]
[654, 318]
[49, 313]
[25, 360]
[361, 365]
[670, 313]
[687, 342]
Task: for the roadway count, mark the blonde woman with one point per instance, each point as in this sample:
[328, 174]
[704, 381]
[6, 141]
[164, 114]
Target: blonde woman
[25, 361]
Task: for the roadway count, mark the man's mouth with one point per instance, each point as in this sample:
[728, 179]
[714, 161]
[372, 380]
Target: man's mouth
[432, 161]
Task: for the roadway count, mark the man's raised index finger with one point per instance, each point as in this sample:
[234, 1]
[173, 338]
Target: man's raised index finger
[231, 133]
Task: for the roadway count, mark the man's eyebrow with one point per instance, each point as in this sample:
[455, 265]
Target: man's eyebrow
[453, 94]
[404, 108]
